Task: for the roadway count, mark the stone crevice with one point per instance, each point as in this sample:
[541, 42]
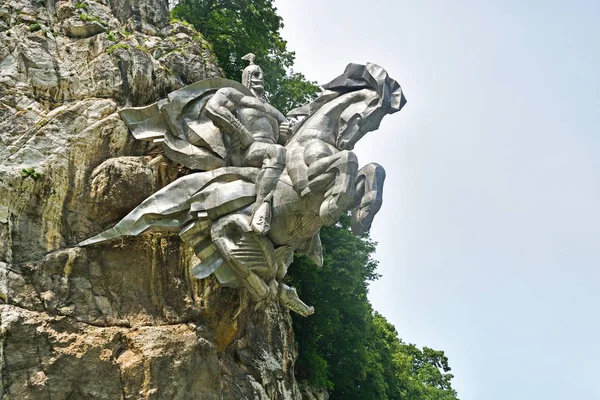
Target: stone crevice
[47, 387]
[4, 372]
[118, 351]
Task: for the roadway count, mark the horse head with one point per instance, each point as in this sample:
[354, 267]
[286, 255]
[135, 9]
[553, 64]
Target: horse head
[356, 102]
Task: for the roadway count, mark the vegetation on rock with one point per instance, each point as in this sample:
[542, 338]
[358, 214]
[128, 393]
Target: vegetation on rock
[30, 173]
[117, 46]
[91, 18]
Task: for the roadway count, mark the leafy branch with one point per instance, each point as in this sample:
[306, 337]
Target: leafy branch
[30, 173]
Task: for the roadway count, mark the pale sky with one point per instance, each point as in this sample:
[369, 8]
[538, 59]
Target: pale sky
[489, 235]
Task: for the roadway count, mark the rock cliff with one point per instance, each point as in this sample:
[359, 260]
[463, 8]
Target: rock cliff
[123, 320]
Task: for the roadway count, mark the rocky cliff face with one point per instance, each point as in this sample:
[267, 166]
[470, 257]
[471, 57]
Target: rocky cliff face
[123, 320]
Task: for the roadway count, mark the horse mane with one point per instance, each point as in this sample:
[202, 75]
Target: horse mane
[355, 77]
[370, 76]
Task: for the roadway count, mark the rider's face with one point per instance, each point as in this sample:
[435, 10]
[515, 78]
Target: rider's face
[256, 79]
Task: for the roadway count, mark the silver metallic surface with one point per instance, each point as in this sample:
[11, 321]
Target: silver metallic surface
[264, 190]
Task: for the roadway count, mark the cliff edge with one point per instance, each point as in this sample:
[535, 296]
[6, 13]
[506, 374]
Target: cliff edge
[123, 320]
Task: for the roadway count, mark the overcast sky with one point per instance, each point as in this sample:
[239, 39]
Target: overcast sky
[489, 233]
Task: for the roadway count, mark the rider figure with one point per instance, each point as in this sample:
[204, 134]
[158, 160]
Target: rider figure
[260, 130]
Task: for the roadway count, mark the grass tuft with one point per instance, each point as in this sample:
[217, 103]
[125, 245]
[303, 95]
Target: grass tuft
[117, 46]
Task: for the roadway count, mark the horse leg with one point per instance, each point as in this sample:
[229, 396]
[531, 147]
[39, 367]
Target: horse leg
[369, 197]
[253, 261]
[250, 257]
[273, 159]
[339, 198]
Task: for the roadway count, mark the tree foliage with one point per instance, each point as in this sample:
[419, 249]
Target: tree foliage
[238, 27]
[346, 346]
[339, 292]
[411, 373]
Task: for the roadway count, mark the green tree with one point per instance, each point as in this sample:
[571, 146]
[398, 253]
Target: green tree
[346, 346]
[334, 343]
[238, 27]
[411, 373]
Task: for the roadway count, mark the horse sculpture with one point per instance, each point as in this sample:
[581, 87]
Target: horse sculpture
[321, 181]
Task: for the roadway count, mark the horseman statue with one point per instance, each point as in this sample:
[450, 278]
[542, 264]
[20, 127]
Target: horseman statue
[262, 189]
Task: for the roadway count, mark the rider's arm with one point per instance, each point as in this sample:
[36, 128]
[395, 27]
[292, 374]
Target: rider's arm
[297, 169]
[219, 109]
[285, 132]
[283, 124]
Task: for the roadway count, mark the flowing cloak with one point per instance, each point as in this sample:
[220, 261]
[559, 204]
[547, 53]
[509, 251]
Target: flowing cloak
[180, 124]
[189, 206]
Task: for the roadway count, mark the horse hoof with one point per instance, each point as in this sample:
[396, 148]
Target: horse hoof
[361, 220]
[324, 213]
[288, 297]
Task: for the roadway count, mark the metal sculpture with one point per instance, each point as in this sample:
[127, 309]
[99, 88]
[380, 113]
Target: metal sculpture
[266, 188]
